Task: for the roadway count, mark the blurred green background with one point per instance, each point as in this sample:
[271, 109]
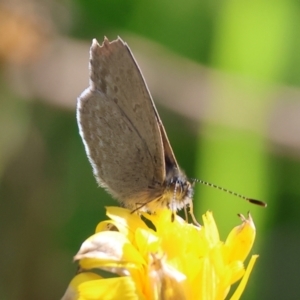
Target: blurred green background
[225, 76]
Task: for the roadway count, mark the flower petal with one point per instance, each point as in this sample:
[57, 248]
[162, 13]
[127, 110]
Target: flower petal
[108, 249]
[240, 240]
[108, 289]
[211, 229]
[72, 290]
[240, 289]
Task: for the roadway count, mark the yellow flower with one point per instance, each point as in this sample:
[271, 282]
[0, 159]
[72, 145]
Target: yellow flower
[151, 257]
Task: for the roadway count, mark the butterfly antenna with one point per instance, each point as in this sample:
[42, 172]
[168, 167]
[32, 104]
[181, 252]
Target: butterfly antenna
[253, 201]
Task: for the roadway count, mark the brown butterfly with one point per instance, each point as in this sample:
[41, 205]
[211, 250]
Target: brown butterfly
[124, 138]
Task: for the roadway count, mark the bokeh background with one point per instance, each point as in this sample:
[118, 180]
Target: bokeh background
[225, 76]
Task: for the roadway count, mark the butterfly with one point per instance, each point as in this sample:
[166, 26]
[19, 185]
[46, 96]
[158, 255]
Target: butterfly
[124, 137]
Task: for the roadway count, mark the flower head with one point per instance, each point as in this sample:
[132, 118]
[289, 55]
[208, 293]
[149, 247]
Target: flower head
[155, 258]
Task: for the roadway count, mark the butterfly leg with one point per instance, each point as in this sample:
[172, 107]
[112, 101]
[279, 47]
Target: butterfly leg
[192, 214]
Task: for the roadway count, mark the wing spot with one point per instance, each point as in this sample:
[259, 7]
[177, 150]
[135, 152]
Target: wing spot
[104, 72]
[136, 107]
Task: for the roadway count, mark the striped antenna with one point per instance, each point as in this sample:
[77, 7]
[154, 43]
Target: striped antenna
[253, 201]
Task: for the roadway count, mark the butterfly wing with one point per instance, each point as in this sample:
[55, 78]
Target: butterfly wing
[120, 127]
